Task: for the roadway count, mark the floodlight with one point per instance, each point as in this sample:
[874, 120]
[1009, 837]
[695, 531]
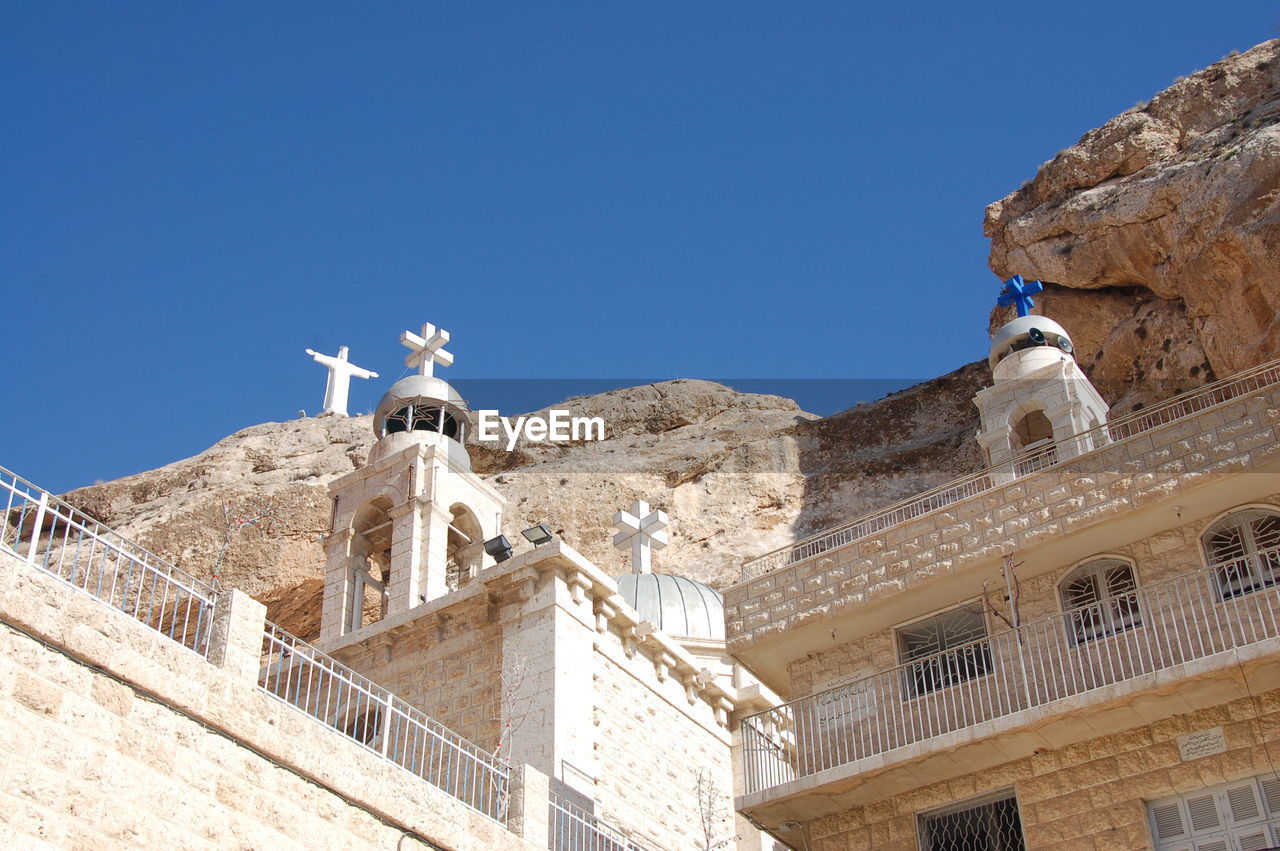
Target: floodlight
[538, 535]
[499, 548]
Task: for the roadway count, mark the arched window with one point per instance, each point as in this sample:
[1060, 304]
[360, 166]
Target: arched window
[1100, 598]
[1244, 550]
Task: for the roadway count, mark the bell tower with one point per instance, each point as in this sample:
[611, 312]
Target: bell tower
[410, 525]
[1040, 399]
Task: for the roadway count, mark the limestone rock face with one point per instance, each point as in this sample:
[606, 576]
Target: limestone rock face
[1161, 228]
[740, 474]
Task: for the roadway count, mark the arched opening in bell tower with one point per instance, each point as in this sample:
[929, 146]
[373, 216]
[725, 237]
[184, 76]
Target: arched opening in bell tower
[1031, 437]
[465, 548]
[370, 566]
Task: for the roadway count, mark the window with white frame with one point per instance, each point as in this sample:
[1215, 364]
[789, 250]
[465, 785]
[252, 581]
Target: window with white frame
[1244, 550]
[944, 650]
[990, 823]
[1100, 598]
[1240, 816]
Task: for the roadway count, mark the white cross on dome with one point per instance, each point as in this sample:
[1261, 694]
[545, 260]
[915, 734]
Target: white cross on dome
[643, 531]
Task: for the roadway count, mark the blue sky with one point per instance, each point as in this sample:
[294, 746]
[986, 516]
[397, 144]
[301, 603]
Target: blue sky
[193, 194]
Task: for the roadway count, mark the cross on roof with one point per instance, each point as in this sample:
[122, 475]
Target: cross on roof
[642, 530]
[1018, 293]
[427, 350]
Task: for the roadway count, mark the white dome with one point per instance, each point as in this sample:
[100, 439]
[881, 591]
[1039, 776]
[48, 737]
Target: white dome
[1017, 335]
[678, 606]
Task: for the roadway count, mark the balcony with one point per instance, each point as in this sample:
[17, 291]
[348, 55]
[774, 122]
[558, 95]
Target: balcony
[1198, 626]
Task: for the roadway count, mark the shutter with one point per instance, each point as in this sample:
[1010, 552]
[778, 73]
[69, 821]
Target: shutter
[1203, 811]
[1230, 817]
[1253, 839]
[1271, 794]
[1243, 803]
[1168, 820]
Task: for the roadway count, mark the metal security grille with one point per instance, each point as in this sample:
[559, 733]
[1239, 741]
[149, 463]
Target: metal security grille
[948, 649]
[990, 824]
[1102, 599]
[1240, 816]
[1242, 548]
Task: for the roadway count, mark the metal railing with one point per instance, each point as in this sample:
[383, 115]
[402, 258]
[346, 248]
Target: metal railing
[63, 541]
[572, 828]
[1193, 616]
[1053, 454]
[365, 712]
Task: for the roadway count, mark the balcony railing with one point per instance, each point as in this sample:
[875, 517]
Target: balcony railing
[365, 712]
[53, 536]
[574, 829]
[1053, 454]
[1152, 629]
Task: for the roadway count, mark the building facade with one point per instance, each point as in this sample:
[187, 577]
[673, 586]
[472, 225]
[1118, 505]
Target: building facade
[1077, 647]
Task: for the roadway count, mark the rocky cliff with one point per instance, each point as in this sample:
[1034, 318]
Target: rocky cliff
[739, 473]
[1160, 230]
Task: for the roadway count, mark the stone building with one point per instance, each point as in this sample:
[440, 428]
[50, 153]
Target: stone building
[544, 702]
[1076, 647]
[622, 698]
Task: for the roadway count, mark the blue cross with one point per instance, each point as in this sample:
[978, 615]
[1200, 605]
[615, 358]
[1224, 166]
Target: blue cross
[1018, 293]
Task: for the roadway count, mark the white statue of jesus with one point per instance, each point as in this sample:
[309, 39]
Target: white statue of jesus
[340, 374]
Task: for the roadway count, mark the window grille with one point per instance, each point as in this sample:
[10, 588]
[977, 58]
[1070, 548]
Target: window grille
[1243, 549]
[988, 824]
[1240, 816]
[1101, 599]
[950, 649]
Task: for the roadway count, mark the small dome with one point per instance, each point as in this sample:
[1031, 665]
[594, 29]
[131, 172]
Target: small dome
[1018, 334]
[676, 605]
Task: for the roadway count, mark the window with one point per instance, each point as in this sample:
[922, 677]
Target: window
[991, 823]
[1244, 815]
[1244, 549]
[1100, 599]
[948, 648]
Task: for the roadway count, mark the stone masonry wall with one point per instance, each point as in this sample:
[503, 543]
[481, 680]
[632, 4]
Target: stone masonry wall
[649, 752]
[1231, 438]
[92, 763]
[1155, 559]
[1087, 795]
[115, 736]
[449, 666]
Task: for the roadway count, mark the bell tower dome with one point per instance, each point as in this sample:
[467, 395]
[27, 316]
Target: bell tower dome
[1040, 399]
[410, 525]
